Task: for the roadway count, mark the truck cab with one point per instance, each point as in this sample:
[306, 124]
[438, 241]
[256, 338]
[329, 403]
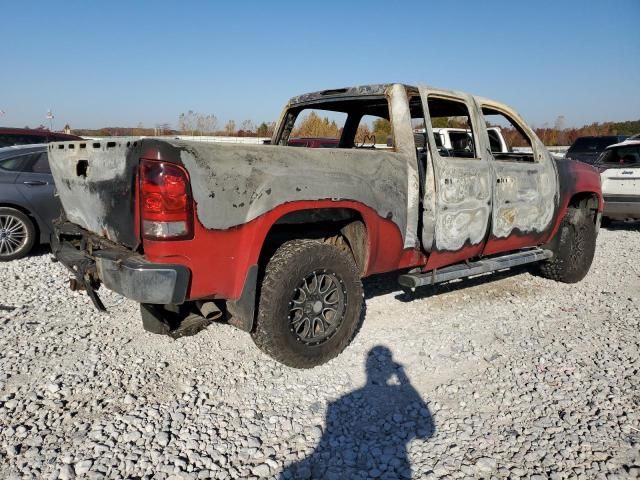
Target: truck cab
[276, 238]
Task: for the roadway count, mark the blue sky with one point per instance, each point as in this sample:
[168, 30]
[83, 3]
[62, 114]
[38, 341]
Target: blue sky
[121, 63]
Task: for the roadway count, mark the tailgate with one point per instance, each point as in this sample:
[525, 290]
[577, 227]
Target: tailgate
[96, 183]
[621, 181]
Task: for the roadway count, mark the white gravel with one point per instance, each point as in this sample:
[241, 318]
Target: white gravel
[514, 377]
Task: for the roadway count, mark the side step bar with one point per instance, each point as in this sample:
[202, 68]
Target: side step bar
[486, 265]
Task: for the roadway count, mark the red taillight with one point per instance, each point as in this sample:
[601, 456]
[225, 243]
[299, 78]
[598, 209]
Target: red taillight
[165, 201]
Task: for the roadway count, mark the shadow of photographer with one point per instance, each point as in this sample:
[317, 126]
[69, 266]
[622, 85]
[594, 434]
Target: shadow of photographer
[368, 430]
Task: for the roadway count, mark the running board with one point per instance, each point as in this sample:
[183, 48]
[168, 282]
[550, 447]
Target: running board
[461, 270]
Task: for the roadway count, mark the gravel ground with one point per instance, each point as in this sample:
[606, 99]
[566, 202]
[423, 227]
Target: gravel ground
[515, 376]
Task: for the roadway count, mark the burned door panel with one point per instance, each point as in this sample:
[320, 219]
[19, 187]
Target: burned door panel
[524, 199]
[525, 193]
[459, 203]
[463, 196]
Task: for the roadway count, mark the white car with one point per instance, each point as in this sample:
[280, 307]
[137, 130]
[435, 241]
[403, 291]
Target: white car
[451, 139]
[619, 165]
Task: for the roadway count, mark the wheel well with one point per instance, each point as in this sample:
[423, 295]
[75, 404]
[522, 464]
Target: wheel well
[16, 207]
[585, 200]
[28, 213]
[342, 227]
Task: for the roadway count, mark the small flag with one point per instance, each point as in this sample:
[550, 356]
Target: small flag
[50, 114]
[2, 112]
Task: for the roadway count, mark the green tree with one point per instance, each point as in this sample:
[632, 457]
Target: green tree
[314, 126]
[382, 130]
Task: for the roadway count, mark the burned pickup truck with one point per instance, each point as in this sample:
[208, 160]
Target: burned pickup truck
[278, 238]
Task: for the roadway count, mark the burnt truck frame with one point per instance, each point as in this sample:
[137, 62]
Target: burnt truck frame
[279, 237]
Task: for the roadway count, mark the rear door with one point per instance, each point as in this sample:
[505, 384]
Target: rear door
[525, 190]
[458, 191]
[10, 167]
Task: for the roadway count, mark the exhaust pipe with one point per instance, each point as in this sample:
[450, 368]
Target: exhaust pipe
[209, 310]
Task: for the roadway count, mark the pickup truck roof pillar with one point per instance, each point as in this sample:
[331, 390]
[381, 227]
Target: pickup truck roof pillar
[400, 117]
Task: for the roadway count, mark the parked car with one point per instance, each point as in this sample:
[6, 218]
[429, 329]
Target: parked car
[450, 139]
[587, 149]
[26, 136]
[280, 237]
[27, 201]
[620, 171]
[314, 142]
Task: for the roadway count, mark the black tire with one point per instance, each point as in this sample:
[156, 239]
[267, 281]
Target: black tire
[575, 246]
[290, 326]
[15, 226]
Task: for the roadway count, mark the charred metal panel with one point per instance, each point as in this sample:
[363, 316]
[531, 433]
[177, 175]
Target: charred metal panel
[96, 183]
[375, 89]
[429, 212]
[405, 146]
[526, 193]
[463, 197]
[234, 184]
[525, 198]
[231, 184]
[458, 191]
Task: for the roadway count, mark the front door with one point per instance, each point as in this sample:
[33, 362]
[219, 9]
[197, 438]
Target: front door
[458, 186]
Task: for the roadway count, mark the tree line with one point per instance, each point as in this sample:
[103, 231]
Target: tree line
[313, 125]
[189, 123]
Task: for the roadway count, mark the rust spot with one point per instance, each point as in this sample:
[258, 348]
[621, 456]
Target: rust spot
[509, 215]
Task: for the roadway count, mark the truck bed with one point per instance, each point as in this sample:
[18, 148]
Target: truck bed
[231, 184]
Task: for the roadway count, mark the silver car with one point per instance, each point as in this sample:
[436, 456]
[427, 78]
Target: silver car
[27, 201]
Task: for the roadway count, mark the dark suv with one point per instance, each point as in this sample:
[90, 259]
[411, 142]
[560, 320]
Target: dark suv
[26, 136]
[587, 149]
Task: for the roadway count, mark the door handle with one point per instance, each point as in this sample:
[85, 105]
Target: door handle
[33, 183]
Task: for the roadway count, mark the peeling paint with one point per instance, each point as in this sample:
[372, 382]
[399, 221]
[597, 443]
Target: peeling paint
[98, 199]
[377, 179]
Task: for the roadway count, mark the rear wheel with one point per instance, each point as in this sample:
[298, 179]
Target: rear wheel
[310, 304]
[17, 234]
[575, 246]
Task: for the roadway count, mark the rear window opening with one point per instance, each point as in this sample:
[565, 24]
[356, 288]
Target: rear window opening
[519, 146]
[620, 157]
[315, 128]
[361, 123]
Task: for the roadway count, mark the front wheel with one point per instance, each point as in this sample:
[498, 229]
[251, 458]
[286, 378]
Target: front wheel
[17, 234]
[310, 304]
[575, 246]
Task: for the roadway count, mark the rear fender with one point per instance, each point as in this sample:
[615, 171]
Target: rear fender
[221, 259]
